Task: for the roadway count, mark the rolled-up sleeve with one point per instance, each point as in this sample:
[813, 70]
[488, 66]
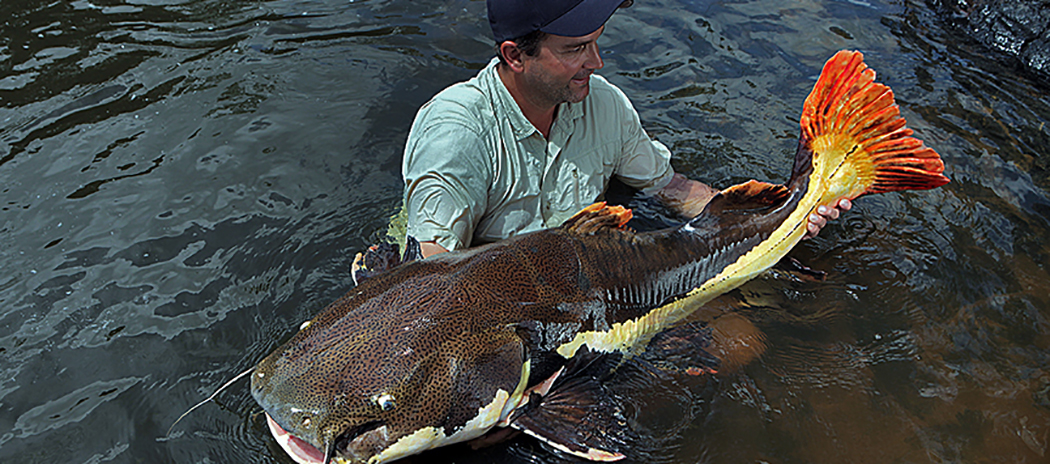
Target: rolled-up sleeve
[646, 163]
[447, 176]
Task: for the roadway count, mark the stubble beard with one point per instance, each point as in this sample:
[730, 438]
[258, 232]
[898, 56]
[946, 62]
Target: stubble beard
[557, 93]
[576, 95]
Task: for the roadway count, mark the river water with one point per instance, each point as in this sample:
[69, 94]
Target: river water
[185, 182]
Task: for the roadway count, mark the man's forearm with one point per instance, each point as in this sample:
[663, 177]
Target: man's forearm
[430, 248]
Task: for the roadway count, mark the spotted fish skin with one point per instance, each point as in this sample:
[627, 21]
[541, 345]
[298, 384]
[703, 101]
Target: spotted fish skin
[444, 349]
[439, 338]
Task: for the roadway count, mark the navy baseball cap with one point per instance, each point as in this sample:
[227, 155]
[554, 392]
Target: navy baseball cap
[511, 19]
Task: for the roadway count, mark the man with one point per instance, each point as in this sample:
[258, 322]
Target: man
[535, 136]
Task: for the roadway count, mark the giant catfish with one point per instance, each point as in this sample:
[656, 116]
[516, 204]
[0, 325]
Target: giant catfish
[445, 349]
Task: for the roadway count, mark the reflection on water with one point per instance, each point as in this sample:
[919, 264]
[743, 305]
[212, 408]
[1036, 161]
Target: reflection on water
[185, 182]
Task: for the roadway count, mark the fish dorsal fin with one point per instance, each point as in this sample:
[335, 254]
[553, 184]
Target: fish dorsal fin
[854, 135]
[598, 217]
[751, 195]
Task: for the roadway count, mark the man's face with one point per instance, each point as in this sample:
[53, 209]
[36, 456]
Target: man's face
[561, 71]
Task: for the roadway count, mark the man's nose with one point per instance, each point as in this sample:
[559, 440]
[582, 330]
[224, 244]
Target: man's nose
[594, 58]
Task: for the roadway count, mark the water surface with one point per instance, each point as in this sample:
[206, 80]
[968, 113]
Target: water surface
[185, 182]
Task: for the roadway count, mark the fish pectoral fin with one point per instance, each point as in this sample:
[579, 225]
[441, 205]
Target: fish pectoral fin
[579, 421]
[604, 406]
[598, 217]
[580, 415]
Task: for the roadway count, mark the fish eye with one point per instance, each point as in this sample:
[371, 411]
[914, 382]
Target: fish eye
[385, 401]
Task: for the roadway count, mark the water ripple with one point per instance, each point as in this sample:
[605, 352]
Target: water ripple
[186, 182]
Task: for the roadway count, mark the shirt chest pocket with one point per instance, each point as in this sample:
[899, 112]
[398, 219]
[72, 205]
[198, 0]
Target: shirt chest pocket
[588, 176]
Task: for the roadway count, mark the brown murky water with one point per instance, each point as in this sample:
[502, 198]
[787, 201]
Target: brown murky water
[184, 182]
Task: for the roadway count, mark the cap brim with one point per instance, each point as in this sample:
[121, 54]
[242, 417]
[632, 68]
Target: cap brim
[583, 19]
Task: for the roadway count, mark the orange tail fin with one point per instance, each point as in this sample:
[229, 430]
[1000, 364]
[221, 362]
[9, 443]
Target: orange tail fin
[855, 130]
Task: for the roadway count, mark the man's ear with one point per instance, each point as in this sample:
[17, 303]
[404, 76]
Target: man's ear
[512, 55]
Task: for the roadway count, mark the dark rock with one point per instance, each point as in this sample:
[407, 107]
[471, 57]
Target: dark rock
[1020, 28]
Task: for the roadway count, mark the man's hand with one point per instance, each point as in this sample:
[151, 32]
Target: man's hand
[824, 214]
[430, 248]
[384, 256]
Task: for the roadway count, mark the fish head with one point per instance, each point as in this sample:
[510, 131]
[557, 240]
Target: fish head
[374, 386]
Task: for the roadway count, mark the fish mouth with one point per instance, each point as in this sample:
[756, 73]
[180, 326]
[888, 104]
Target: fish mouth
[298, 449]
[361, 444]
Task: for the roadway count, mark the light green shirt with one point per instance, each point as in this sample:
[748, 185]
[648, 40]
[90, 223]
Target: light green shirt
[477, 171]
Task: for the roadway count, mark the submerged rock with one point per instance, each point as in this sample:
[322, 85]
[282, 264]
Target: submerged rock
[1018, 27]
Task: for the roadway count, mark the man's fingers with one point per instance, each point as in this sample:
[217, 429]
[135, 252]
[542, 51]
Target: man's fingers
[829, 213]
[816, 220]
[823, 214]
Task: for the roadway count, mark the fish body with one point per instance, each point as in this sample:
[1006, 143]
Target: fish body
[443, 350]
